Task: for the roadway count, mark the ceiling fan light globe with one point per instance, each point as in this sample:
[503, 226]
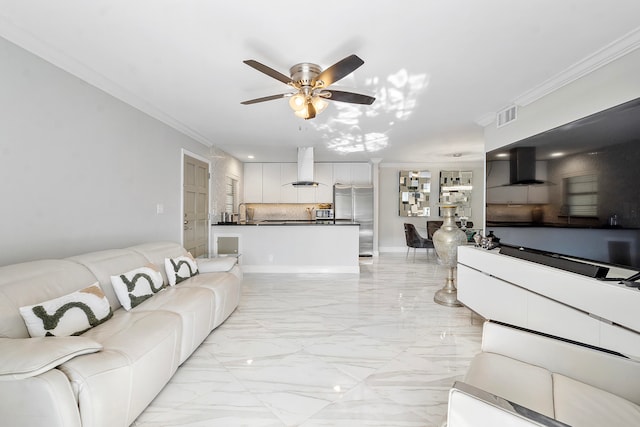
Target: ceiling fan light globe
[297, 102]
[302, 113]
[319, 104]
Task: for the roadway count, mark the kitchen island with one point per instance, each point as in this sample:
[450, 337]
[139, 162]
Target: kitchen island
[293, 246]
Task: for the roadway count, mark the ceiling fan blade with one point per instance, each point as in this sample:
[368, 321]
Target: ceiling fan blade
[353, 98]
[266, 98]
[340, 69]
[268, 71]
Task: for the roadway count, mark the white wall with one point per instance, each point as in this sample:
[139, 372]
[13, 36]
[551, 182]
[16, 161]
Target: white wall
[223, 165]
[79, 169]
[610, 85]
[391, 230]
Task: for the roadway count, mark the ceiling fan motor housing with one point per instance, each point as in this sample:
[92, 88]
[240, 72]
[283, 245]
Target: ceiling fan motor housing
[305, 74]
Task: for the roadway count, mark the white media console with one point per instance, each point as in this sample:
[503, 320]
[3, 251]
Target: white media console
[550, 300]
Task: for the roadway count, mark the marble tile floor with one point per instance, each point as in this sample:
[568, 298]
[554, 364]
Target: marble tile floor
[327, 350]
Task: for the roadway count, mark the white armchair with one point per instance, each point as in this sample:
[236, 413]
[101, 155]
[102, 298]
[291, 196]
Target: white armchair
[526, 379]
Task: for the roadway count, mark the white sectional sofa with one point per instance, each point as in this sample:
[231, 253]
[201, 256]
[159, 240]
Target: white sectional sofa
[109, 374]
[527, 379]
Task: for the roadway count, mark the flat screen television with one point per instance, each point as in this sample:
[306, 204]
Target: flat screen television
[572, 191]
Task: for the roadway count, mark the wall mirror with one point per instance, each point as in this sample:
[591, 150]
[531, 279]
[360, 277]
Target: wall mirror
[415, 187]
[455, 188]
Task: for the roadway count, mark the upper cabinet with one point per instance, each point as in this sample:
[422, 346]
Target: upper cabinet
[289, 174]
[253, 182]
[351, 173]
[324, 176]
[271, 182]
[499, 192]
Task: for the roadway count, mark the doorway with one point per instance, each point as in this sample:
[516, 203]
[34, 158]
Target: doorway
[195, 205]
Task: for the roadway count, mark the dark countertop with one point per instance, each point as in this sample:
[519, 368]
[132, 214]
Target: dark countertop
[288, 222]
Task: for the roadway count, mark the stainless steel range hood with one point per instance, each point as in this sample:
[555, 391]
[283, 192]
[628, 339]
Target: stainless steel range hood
[305, 168]
[522, 167]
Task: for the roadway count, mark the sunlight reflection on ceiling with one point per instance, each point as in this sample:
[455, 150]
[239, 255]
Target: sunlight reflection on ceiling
[396, 98]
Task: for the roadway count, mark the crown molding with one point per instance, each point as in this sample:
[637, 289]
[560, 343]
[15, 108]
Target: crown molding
[486, 119]
[45, 51]
[617, 49]
[614, 50]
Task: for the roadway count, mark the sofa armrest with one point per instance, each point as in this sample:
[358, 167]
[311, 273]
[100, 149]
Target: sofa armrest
[216, 265]
[27, 357]
[469, 406]
[610, 372]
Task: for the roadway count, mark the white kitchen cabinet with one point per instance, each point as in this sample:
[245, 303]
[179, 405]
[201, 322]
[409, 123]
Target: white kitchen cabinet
[271, 182]
[324, 176]
[360, 173]
[300, 249]
[252, 183]
[500, 193]
[351, 173]
[288, 174]
[507, 195]
[341, 173]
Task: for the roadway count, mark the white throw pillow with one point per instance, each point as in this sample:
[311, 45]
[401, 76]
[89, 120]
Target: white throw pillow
[136, 286]
[71, 314]
[180, 268]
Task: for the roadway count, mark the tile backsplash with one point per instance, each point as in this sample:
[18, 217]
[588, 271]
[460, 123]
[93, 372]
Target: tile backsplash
[280, 211]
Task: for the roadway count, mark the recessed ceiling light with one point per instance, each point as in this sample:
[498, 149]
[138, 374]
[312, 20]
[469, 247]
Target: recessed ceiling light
[251, 156]
[557, 154]
[501, 155]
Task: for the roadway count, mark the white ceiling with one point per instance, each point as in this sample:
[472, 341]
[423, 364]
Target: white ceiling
[436, 67]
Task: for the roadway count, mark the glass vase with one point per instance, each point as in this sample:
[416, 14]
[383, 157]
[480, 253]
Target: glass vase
[446, 241]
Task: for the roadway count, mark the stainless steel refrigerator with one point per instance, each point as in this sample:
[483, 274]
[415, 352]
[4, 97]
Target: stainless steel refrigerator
[355, 203]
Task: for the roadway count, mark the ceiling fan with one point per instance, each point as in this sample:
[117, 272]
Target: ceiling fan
[310, 83]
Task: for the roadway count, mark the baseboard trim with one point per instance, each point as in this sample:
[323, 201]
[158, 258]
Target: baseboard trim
[300, 269]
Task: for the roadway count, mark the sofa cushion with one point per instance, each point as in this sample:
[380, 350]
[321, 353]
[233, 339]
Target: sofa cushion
[104, 264]
[31, 282]
[156, 252]
[195, 307]
[180, 268]
[227, 290]
[513, 380]
[140, 354]
[579, 404]
[70, 314]
[135, 286]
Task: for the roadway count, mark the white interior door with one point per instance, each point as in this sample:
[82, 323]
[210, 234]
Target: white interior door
[195, 203]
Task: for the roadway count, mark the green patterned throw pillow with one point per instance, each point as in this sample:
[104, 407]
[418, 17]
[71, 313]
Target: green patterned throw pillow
[180, 268]
[136, 286]
[70, 314]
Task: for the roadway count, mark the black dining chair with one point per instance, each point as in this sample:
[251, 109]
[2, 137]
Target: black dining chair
[415, 240]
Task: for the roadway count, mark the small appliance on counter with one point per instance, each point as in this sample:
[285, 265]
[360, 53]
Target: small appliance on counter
[324, 214]
[228, 218]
